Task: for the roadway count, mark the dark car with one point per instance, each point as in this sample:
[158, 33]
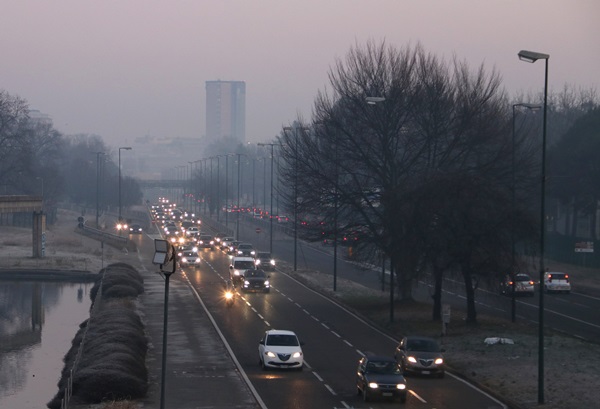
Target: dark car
[135, 229]
[245, 249]
[206, 241]
[265, 261]
[256, 280]
[421, 355]
[381, 377]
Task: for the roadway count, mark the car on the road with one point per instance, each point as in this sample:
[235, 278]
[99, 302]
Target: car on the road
[238, 266]
[264, 260]
[225, 242]
[523, 285]
[381, 377]
[192, 231]
[556, 282]
[135, 229]
[245, 249]
[280, 349]
[189, 258]
[232, 248]
[255, 280]
[206, 241]
[420, 355]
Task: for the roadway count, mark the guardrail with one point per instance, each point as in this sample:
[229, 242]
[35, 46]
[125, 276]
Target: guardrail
[109, 238]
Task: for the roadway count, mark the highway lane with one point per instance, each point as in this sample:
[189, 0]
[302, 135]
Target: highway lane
[573, 313]
[334, 341]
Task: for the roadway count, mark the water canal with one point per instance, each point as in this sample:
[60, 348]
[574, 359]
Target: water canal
[38, 320]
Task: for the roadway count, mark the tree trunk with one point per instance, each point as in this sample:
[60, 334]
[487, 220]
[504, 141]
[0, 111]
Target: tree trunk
[470, 293]
[437, 294]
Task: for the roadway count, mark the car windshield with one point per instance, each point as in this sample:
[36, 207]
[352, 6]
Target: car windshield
[240, 265]
[244, 246]
[264, 255]
[522, 277]
[424, 345]
[254, 273]
[383, 367]
[282, 340]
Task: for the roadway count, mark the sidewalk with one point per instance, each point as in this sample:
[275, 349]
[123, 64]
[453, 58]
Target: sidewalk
[200, 373]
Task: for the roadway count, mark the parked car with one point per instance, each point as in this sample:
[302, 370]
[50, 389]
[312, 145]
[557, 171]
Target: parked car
[280, 349]
[265, 261]
[255, 280]
[524, 285]
[238, 266]
[421, 355]
[135, 229]
[557, 282]
[380, 376]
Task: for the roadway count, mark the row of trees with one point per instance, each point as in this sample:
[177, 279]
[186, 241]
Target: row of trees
[36, 159]
[432, 168]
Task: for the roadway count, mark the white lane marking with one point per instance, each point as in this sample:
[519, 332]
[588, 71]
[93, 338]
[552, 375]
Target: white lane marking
[305, 311]
[260, 316]
[315, 318]
[336, 334]
[317, 376]
[330, 389]
[325, 325]
[360, 353]
[345, 405]
[416, 395]
[348, 343]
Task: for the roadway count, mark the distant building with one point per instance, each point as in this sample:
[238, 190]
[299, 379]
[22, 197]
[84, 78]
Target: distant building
[38, 118]
[226, 111]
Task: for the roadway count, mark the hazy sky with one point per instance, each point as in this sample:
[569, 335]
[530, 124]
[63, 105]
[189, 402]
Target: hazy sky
[128, 68]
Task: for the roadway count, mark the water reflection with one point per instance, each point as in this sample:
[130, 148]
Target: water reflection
[38, 320]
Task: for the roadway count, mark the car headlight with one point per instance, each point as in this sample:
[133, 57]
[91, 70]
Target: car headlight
[246, 283]
[184, 260]
[272, 262]
[297, 355]
[257, 262]
[401, 386]
[236, 273]
[267, 283]
[373, 385]
[412, 359]
[198, 260]
[438, 361]
[270, 354]
[253, 252]
[240, 252]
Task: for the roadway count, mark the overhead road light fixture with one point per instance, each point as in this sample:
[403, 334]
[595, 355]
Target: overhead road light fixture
[532, 56]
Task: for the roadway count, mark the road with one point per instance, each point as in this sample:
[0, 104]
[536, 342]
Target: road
[334, 341]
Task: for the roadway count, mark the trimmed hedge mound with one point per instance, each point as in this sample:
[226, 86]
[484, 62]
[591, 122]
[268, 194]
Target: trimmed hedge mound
[112, 365]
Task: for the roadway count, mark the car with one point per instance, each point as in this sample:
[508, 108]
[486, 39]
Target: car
[556, 282]
[192, 231]
[282, 219]
[135, 229]
[280, 349]
[219, 237]
[206, 241]
[255, 280]
[238, 266]
[189, 258]
[264, 260]
[420, 355]
[524, 285]
[245, 249]
[225, 242]
[381, 377]
[232, 249]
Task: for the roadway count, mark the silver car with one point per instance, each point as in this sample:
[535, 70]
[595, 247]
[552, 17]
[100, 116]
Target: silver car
[421, 355]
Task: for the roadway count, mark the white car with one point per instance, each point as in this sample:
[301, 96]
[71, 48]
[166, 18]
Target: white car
[280, 349]
[556, 282]
[238, 266]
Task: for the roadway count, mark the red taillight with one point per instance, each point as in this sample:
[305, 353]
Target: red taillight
[510, 282]
[549, 278]
[567, 277]
[531, 283]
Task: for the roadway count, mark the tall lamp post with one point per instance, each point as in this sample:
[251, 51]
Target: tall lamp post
[237, 221]
[271, 211]
[531, 107]
[98, 186]
[531, 57]
[120, 221]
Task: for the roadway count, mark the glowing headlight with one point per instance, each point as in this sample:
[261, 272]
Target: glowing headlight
[236, 272]
[439, 361]
[270, 354]
[373, 385]
[401, 386]
[246, 282]
[253, 252]
[228, 295]
[412, 359]
[272, 262]
[198, 260]
[257, 262]
[297, 355]
[267, 283]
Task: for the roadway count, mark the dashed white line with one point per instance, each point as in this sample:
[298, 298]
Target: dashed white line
[306, 311]
[347, 343]
[260, 316]
[336, 334]
[325, 325]
[315, 318]
[330, 389]
[317, 376]
[345, 405]
[360, 353]
[413, 393]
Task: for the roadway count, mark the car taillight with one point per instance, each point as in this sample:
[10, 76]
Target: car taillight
[567, 278]
[549, 278]
[531, 283]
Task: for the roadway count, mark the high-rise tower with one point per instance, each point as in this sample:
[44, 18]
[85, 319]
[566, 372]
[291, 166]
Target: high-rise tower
[226, 110]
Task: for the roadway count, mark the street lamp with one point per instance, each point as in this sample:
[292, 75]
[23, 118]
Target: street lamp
[120, 225]
[98, 186]
[531, 107]
[295, 129]
[531, 57]
[271, 211]
[237, 222]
